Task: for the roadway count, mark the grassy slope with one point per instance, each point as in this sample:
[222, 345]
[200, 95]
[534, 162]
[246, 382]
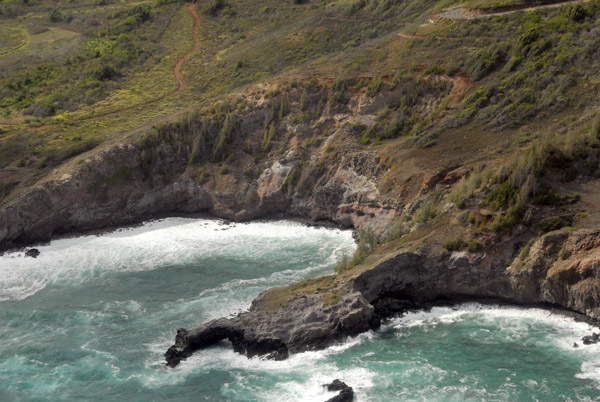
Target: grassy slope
[237, 49]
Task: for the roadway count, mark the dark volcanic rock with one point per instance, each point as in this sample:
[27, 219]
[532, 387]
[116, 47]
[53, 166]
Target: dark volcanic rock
[346, 393]
[591, 339]
[336, 385]
[406, 281]
[186, 342]
[33, 253]
[306, 323]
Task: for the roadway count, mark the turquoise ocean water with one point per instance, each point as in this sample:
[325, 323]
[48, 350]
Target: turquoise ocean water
[90, 319]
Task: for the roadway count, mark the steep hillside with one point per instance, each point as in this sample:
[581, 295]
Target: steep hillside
[457, 142]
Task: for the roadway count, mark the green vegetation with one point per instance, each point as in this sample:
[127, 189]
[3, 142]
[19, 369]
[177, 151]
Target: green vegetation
[513, 95]
[555, 223]
[455, 244]
[565, 253]
[465, 189]
[269, 135]
[291, 180]
[468, 218]
[474, 246]
[405, 113]
[503, 196]
[201, 176]
[502, 4]
[533, 63]
[367, 243]
[426, 212]
[120, 176]
[525, 252]
[105, 47]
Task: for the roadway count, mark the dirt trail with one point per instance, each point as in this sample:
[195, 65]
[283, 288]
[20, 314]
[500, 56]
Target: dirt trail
[20, 45]
[410, 36]
[468, 13]
[176, 71]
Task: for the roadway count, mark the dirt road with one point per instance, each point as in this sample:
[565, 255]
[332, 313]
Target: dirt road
[180, 63]
[467, 13]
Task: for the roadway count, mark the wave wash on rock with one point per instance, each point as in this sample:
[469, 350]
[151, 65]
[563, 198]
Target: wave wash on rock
[404, 281]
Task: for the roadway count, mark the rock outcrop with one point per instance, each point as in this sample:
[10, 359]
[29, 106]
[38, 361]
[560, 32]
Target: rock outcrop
[32, 252]
[306, 323]
[549, 276]
[320, 173]
[346, 392]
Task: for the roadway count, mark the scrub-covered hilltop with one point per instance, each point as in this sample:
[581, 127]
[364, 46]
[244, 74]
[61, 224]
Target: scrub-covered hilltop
[465, 151]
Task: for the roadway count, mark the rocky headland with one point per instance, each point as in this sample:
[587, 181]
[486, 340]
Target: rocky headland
[276, 327]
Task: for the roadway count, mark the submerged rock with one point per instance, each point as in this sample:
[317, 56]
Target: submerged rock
[346, 392]
[591, 339]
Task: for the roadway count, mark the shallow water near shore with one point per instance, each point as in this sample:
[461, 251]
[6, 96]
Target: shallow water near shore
[91, 317]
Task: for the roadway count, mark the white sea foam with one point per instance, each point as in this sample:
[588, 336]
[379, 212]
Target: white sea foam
[153, 245]
[563, 331]
[488, 313]
[302, 375]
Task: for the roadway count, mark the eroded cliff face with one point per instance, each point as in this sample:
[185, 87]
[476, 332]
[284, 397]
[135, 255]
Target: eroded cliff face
[319, 172]
[563, 268]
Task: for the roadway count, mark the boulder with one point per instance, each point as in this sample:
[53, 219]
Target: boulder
[346, 392]
[33, 253]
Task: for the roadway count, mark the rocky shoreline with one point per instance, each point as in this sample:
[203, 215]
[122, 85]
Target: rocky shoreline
[189, 341]
[404, 282]
[352, 187]
[12, 247]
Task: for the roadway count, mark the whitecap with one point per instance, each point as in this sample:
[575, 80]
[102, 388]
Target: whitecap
[159, 244]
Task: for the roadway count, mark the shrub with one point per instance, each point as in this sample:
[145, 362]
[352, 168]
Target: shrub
[455, 244]
[105, 73]
[501, 221]
[503, 196]
[486, 61]
[468, 217]
[525, 252]
[596, 126]
[565, 253]
[374, 86]
[214, 7]
[304, 101]
[312, 142]
[465, 189]
[268, 137]
[290, 180]
[555, 223]
[367, 243]
[474, 246]
[251, 174]
[201, 176]
[219, 151]
[545, 195]
[426, 212]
